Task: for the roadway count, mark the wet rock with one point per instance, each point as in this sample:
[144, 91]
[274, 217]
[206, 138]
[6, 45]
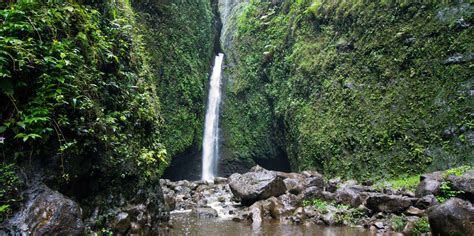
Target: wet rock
[327, 196]
[454, 217]
[121, 223]
[293, 186]
[48, 212]
[426, 201]
[437, 175]
[463, 183]
[275, 207]
[329, 218]
[258, 185]
[311, 212]
[298, 216]
[314, 181]
[170, 200]
[427, 187]
[220, 180]
[333, 184]
[350, 194]
[311, 192]
[388, 203]
[312, 173]
[256, 213]
[408, 229]
[414, 211]
[379, 225]
[290, 201]
[205, 213]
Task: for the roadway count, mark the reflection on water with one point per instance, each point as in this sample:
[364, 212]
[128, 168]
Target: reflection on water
[185, 224]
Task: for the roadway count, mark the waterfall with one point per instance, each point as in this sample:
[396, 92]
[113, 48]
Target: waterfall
[210, 146]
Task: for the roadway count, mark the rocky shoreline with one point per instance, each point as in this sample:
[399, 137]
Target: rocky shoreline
[308, 198]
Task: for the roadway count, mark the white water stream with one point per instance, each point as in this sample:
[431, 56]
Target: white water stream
[210, 146]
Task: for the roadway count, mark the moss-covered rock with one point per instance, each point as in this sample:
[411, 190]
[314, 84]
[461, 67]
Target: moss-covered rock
[350, 88]
[98, 96]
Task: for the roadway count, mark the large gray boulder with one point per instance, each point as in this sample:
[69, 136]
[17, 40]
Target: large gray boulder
[454, 217]
[428, 187]
[464, 183]
[429, 184]
[351, 194]
[258, 185]
[47, 212]
[388, 203]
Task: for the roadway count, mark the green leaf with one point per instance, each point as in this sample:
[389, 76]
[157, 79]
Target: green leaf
[2, 129]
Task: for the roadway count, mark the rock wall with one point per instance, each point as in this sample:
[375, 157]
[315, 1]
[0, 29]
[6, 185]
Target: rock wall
[349, 88]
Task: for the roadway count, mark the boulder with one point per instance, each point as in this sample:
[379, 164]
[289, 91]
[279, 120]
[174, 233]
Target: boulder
[170, 200]
[453, 217]
[314, 181]
[437, 175]
[290, 200]
[463, 183]
[426, 201]
[258, 185]
[427, 187]
[220, 180]
[274, 207]
[47, 212]
[256, 213]
[293, 186]
[329, 218]
[350, 194]
[408, 229]
[311, 192]
[333, 184]
[299, 216]
[121, 223]
[388, 203]
[413, 211]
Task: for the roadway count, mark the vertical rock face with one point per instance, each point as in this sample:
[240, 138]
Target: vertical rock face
[47, 212]
[305, 78]
[263, 143]
[229, 10]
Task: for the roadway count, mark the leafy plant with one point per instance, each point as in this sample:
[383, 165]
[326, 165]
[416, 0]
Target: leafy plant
[421, 226]
[447, 192]
[398, 223]
[10, 186]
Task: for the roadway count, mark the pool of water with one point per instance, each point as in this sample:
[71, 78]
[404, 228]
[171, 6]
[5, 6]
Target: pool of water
[186, 224]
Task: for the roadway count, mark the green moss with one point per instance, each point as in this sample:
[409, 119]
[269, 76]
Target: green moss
[352, 89]
[404, 182]
[180, 47]
[105, 92]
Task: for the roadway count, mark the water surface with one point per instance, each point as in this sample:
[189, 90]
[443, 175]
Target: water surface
[185, 224]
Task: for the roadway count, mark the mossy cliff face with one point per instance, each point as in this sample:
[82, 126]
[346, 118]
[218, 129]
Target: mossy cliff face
[351, 89]
[98, 96]
[179, 38]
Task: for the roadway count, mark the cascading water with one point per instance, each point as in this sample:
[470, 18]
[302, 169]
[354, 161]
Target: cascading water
[210, 146]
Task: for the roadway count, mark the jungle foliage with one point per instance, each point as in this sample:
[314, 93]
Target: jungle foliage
[95, 89]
